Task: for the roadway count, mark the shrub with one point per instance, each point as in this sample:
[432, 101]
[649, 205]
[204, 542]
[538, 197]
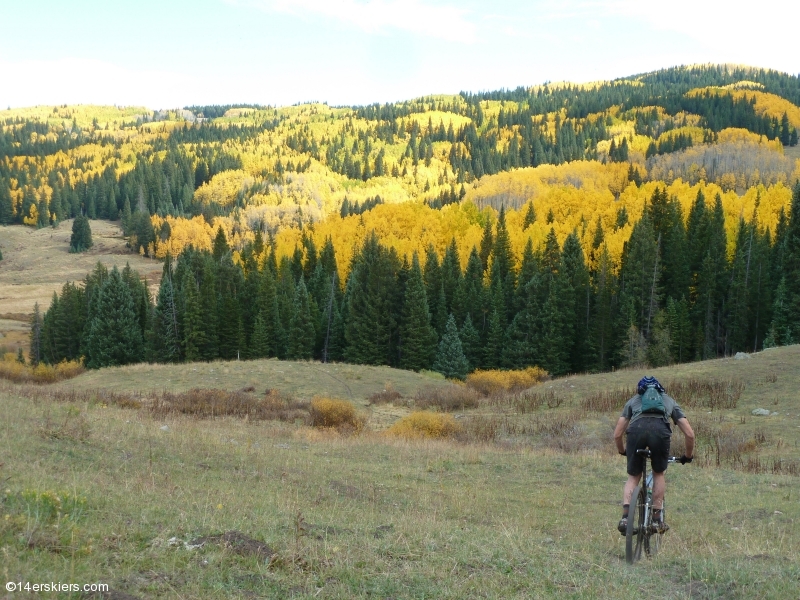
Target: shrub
[453, 397]
[528, 401]
[17, 372]
[706, 393]
[211, 403]
[494, 382]
[606, 401]
[385, 396]
[425, 424]
[336, 414]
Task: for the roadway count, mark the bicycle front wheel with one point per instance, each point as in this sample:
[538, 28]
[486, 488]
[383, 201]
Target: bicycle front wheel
[635, 536]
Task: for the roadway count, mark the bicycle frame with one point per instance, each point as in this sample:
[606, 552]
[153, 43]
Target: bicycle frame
[641, 534]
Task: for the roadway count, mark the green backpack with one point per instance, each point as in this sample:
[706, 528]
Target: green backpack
[652, 402]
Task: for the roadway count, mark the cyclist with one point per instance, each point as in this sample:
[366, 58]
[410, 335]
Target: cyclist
[650, 430]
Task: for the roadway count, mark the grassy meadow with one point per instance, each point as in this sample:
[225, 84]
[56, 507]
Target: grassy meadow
[96, 487]
[37, 262]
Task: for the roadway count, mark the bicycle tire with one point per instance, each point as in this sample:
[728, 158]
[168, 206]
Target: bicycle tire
[635, 535]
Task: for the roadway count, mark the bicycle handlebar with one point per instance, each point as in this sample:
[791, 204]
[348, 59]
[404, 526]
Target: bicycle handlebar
[672, 459]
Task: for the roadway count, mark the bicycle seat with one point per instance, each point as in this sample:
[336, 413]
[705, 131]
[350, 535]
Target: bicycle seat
[644, 452]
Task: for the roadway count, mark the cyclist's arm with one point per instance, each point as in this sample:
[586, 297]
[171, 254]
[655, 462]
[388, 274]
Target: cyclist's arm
[688, 433]
[619, 430]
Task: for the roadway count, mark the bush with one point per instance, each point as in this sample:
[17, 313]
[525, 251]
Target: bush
[453, 397]
[493, 382]
[386, 396]
[336, 414]
[425, 424]
[207, 404]
[17, 372]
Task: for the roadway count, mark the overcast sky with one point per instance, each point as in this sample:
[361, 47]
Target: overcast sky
[164, 53]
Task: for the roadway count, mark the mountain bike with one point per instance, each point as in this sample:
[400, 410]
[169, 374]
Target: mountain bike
[642, 534]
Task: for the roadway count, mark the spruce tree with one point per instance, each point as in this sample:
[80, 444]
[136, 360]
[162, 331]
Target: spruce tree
[487, 242]
[417, 337]
[221, 247]
[301, 328]
[450, 359]
[81, 239]
[530, 216]
[35, 350]
[501, 274]
[471, 343]
[166, 339]
[114, 336]
[193, 338]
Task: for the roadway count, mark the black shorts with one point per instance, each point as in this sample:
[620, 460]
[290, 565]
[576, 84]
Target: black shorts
[648, 432]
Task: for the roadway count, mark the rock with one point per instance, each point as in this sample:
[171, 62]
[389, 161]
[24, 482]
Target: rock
[548, 540]
[741, 356]
[761, 412]
[164, 428]
[774, 414]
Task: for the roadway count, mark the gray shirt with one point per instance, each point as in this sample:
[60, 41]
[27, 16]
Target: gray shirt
[633, 409]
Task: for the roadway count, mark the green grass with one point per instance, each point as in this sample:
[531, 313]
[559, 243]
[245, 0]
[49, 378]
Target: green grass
[373, 517]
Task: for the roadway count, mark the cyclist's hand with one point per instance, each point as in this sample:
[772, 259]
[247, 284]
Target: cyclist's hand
[686, 459]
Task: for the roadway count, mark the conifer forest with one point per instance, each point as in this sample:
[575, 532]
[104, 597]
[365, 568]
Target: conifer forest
[649, 220]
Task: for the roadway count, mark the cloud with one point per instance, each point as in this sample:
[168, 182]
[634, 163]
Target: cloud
[378, 16]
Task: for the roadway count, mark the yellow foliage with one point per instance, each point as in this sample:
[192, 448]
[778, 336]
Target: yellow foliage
[33, 219]
[41, 373]
[737, 134]
[336, 414]
[436, 117]
[183, 232]
[766, 103]
[425, 424]
[223, 188]
[496, 381]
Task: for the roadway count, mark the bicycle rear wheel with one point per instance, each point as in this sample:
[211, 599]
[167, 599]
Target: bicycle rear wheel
[635, 537]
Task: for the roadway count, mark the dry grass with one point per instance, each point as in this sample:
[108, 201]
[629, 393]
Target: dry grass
[493, 382]
[425, 424]
[453, 397]
[706, 393]
[210, 404]
[528, 401]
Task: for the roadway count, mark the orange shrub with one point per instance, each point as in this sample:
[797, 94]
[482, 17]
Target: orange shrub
[425, 424]
[336, 414]
[495, 381]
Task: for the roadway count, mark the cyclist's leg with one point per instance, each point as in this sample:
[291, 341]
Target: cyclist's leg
[633, 481]
[659, 487]
[659, 437]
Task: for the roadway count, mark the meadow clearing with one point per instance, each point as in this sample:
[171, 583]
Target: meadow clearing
[105, 480]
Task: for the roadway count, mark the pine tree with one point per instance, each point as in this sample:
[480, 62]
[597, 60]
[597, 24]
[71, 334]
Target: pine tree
[35, 350]
[530, 216]
[471, 343]
[417, 338]
[370, 323]
[301, 328]
[193, 339]
[221, 247]
[501, 274]
[487, 242]
[166, 339]
[493, 350]
[81, 239]
[114, 336]
[450, 359]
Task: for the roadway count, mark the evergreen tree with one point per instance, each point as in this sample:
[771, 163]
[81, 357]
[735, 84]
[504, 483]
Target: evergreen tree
[530, 216]
[166, 339]
[450, 359]
[470, 343]
[781, 331]
[81, 239]
[301, 328]
[417, 338]
[487, 242]
[193, 339]
[221, 247]
[114, 336]
[369, 322]
[35, 350]
[501, 274]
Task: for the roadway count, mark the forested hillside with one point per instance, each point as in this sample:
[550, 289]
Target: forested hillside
[577, 227]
